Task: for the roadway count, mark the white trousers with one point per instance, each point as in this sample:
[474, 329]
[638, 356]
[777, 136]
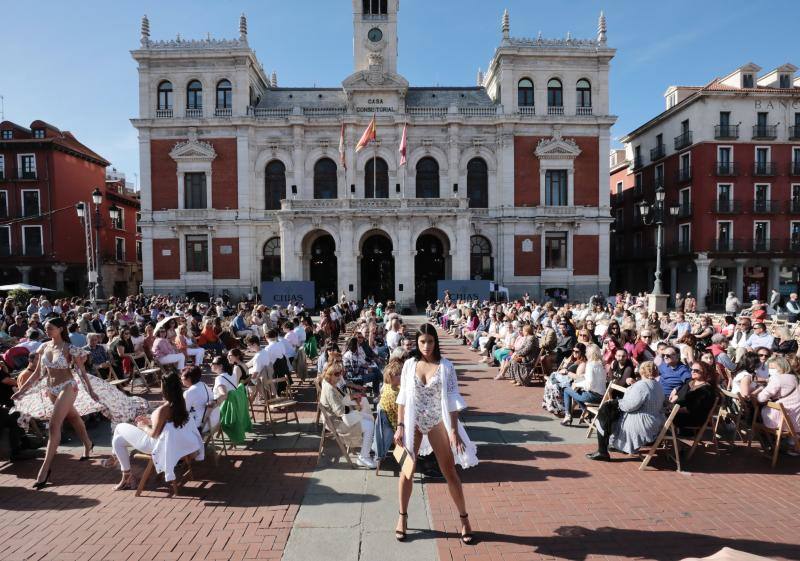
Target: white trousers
[127, 436]
[178, 358]
[198, 353]
[367, 428]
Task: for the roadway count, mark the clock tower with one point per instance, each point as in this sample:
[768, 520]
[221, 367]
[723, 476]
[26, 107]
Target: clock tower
[375, 35]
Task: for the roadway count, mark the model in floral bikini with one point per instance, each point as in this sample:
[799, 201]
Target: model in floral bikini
[57, 359]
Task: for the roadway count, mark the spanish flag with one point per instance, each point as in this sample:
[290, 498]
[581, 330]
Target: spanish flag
[368, 136]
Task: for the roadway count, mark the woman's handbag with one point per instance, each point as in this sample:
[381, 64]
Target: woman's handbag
[405, 459]
[352, 418]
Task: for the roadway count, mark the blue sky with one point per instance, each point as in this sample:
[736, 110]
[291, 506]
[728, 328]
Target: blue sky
[70, 65]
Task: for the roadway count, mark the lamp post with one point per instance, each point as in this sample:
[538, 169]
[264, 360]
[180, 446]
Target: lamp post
[81, 209]
[654, 214]
[97, 199]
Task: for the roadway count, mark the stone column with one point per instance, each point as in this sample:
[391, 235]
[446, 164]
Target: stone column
[673, 279]
[346, 252]
[404, 267]
[290, 260]
[702, 263]
[26, 273]
[462, 247]
[60, 269]
[738, 287]
[774, 275]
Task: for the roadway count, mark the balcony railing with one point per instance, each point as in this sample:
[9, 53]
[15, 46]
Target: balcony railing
[765, 206]
[765, 132]
[728, 245]
[726, 132]
[766, 244]
[223, 112]
[684, 209]
[555, 109]
[163, 113]
[683, 140]
[794, 132]
[658, 152]
[194, 112]
[684, 174]
[728, 206]
[269, 113]
[428, 112]
[794, 205]
[794, 244]
[490, 111]
[527, 110]
[683, 247]
[726, 169]
[637, 162]
[764, 169]
[658, 182]
[794, 167]
[583, 110]
[27, 175]
[324, 111]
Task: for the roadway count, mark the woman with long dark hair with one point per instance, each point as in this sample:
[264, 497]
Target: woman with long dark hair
[428, 404]
[57, 359]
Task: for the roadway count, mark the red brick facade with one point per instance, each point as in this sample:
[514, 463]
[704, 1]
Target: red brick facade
[526, 171]
[226, 265]
[166, 266]
[586, 250]
[527, 264]
[587, 192]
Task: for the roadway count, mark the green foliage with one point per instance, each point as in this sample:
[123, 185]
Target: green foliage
[20, 296]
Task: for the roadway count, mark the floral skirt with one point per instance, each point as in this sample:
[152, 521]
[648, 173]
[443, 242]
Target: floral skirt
[553, 399]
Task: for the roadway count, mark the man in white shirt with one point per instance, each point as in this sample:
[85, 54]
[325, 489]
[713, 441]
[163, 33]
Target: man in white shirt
[300, 332]
[759, 338]
[264, 360]
[198, 397]
[290, 341]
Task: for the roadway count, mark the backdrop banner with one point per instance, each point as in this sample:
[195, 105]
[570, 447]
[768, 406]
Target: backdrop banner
[464, 289]
[282, 293]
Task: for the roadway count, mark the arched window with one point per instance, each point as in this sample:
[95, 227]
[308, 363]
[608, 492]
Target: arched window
[224, 95]
[478, 183]
[375, 7]
[376, 185]
[584, 91]
[271, 261]
[525, 93]
[555, 97]
[275, 184]
[165, 96]
[194, 95]
[325, 180]
[427, 179]
[481, 265]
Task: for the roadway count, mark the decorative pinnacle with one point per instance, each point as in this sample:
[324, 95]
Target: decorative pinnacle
[243, 27]
[506, 24]
[273, 81]
[480, 77]
[145, 30]
[601, 29]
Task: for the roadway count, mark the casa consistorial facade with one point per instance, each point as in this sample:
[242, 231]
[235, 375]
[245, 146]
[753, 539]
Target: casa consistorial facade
[245, 181]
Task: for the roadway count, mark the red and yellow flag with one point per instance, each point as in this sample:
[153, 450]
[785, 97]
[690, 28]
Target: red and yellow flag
[368, 136]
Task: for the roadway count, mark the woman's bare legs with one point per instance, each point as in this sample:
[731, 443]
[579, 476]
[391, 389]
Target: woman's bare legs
[75, 420]
[61, 408]
[405, 486]
[440, 442]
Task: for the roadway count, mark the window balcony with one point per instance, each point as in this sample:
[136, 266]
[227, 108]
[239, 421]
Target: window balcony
[658, 182]
[794, 132]
[728, 206]
[684, 175]
[794, 244]
[637, 162]
[726, 169]
[30, 175]
[223, 112]
[794, 167]
[683, 247]
[555, 110]
[163, 113]
[794, 205]
[684, 209]
[765, 206]
[765, 132]
[583, 110]
[527, 110]
[728, 245]
[763, 169]
[658, 152]
[194, 112]
[683, 140]
[726, 132]
[766, 244]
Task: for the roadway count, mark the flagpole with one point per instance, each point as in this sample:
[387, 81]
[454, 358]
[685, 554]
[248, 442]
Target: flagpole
[375, 162]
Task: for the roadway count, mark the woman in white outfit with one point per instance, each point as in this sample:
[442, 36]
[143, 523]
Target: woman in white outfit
[428, 404]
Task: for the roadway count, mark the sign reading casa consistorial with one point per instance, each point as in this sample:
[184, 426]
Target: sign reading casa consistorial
[245, 181]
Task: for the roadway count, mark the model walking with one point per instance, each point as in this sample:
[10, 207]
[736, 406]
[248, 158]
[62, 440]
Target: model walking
[428, 405]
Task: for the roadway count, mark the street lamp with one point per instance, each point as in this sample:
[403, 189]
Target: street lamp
[97, 199]
[654, 214]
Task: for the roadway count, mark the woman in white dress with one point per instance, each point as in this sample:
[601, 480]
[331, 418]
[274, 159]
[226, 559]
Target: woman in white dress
[428, 404]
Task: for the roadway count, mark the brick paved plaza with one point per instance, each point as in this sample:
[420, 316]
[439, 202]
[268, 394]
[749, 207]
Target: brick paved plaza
[534, 496]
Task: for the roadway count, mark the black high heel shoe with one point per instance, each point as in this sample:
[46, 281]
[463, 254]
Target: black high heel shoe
[39, 485]
[466, 538]
[401, 536]
[84, 458]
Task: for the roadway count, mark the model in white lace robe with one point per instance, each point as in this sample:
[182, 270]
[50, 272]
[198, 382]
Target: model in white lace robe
[451, 402]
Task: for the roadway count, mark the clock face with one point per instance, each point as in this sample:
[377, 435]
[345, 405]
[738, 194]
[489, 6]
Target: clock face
[375, 35]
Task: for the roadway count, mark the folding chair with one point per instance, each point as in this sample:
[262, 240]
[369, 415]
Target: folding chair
[785, 426]
[734, 414]
[653, 449]
[151, 467]
[595, 408]
[700, 431]
[301, 365]
[538, 368]
[279, 404]
[329, 431]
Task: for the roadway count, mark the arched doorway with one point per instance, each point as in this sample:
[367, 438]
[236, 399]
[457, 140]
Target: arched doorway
[323, 268]
[377, 268]
[271, 261]
[481, 266]
[430, 265]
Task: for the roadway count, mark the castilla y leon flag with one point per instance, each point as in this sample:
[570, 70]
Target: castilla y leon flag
[403, 147]
[342, 159]
[368, 136]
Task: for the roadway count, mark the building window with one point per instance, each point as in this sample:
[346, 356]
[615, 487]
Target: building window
[119, 246]
[555, 97]
[619, 216]
[637, 242]
[271, 261]
[618, 191]
[725, 235]
[747, 80]
[638, 185]
[138, 221]
[555, 250]
[658, 175]
[584, 91]
[325, 179]
[376, 179]
[274, 184]
[481, 266]
[138, 250]
[197, 254]
[32, 241]
[8, 134]
[3, 204]
[478, 183]
[725, 197]
[224, 95]
[2, 167]
[375, 7]
[30, 202]
[427, 179]
[795, 199]
[555, 187]
[194, 185]
[794, 235]
[165, 96]
[5, 241]
[684, 235]
[119, 223]
[38, 133]
[525, 93]
[761, 236]
[784, 81]
[194, 95]
[27, 166]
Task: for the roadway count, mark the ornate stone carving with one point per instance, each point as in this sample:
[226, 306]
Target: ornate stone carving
[193, 150]
[557, 148]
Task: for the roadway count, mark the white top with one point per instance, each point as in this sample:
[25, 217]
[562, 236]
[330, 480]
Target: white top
[737, 380]
[266, 357]
[196, 398]
[594, 378]
[755, 341]
[175, 443]
[227, 381]
[300, 333]
[392, 339]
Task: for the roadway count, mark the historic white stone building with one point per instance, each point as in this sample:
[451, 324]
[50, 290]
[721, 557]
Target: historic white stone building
[243, 180]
